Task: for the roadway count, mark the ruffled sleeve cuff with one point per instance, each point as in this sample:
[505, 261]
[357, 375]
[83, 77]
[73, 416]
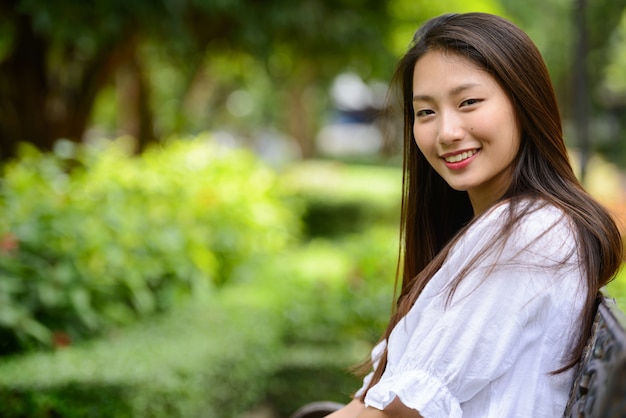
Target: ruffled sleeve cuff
[417, 390]
[376, 354]
[366, 382]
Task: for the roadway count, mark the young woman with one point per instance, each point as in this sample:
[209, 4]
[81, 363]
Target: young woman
[503, 252]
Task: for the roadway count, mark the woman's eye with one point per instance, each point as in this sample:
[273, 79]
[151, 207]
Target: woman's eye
[423, 112]
[469, 102]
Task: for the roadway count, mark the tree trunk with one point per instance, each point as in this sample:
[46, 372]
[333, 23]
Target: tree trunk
[79, 98]
[299, 122]
[302, 108]
[39, 108]
[23, 92]
[134, 113]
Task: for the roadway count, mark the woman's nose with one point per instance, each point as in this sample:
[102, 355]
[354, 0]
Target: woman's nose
[450, 128]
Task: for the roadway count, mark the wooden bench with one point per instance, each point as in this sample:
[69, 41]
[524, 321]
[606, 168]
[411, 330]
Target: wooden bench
[599, 390]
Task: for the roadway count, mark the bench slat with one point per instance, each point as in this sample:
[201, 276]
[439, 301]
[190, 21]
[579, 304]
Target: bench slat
[599, 390]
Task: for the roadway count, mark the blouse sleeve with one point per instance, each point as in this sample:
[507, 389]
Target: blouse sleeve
[377, 352]
[443, 352]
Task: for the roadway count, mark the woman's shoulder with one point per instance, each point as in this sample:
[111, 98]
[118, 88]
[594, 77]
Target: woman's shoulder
[528, 216]
[527, 210]
[532, 226]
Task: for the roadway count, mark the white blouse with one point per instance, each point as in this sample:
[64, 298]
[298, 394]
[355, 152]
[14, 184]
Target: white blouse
[513, 319]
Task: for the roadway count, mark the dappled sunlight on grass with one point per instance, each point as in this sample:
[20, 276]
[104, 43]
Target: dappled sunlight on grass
[333, 178]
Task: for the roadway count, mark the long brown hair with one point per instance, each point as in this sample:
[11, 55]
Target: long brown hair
[434, 215]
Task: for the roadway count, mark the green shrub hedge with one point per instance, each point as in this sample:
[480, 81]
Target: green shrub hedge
[211, 358]
[341, 290]
[285, 335]
[92, 236]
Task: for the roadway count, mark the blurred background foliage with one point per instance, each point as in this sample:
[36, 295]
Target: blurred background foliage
[104, 238]
[199, 201]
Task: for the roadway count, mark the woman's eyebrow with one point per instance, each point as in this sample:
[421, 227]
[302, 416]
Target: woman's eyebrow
[456, 90]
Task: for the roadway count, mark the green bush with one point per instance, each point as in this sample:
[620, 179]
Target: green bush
[283, 330]
[287, 338]
[91, 236]
[345, 288]
[287, 335]
[211, 358]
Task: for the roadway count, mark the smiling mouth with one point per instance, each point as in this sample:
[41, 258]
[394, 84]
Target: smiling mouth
[460, 157]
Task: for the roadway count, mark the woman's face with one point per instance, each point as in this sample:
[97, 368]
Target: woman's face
[465, 126]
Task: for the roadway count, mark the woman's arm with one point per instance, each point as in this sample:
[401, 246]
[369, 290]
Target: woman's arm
[356, 409]
[351, 410]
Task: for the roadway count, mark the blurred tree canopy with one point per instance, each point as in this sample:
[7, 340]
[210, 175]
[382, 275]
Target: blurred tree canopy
[152, 68]
[557, 35]
[57, 56]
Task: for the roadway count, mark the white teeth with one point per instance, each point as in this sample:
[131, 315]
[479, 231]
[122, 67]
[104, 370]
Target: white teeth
[460, 157]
